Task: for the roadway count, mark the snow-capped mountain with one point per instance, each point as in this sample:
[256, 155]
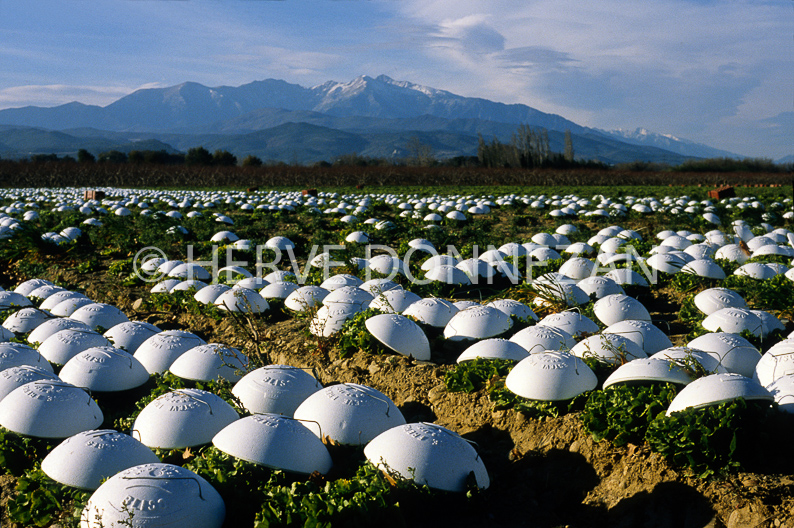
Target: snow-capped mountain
[365, 105]
[642, 136]
[191, 105]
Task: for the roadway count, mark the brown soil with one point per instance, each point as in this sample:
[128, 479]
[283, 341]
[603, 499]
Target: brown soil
[544, 472]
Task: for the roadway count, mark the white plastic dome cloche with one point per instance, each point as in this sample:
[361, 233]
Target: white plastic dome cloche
[613, 349]
[550, 376]
[275, 389]
[50, 302]
[241, 300]
[432, 311]
[777, 362]
[615, 308]
[52, 326]
[477, 322]
[515, 309]
[182, 418]
[644, 370]
[573, 322]
[101, 315]
[129, 335]
[25, 320]
[155, 495]
[349, 413]
[275, 441]
[210, 362]
[86, 459]
[734, 352]
[14, 354]
[400, 334]
[644, 333]
[541, 338]
[428, 454]
[104, 369]
[14, 377]
[305, 298]
[733, 320]
[494, 348]
[158, 352]
[782, 389]
[210, 293]
[394, 301]
[715, 389]
[713, 299]
[49, 409]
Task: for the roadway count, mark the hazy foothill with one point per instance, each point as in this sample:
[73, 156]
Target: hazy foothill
[369, 118]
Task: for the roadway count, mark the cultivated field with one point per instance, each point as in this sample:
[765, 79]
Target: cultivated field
[594, 457]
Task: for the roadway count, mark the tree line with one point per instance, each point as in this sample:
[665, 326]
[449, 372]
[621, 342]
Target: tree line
[194, 156]
[528, 149]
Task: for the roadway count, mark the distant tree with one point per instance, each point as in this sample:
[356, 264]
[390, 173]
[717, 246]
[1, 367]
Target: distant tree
[43, 158]
[155, 157]
[252, 161]
[419, 152]
[730, 165]
[496, 154]
[463, 161]
[198, 156]
[175, 159]
[531, 147]
[135, 157]
[224, 158]
[161, 157]
[351, 160]
[568, 152]
[83, 156]
[528, 148]
[642, 166]
[68, 159]
[482, 151]
[112, 156]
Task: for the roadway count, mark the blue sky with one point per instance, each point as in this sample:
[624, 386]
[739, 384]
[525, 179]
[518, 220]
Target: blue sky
[715, 72]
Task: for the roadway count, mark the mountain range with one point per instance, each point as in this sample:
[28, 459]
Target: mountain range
[279, 121]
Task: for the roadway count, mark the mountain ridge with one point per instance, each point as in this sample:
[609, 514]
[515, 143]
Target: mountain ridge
[362, 106]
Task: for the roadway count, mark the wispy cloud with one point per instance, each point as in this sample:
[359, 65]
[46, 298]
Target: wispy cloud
[702, 69]
[680, 66]
[58, 94]
[536, 57]
[280, 61]
[471, 34]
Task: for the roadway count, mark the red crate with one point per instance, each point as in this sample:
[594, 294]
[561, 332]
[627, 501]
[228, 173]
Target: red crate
[722, 192]
[93, 195]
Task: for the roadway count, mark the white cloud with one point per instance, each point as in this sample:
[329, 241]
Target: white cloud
[58, 94]
[471, 35]
[536, 57]
[701, 69]
[279, 61]
[678, 66]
